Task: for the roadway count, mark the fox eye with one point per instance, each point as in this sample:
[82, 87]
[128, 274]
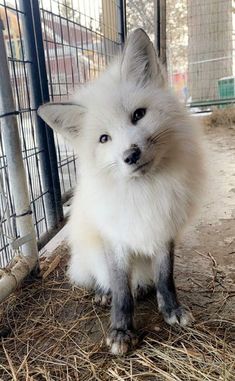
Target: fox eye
[104, 138]
[138, 114]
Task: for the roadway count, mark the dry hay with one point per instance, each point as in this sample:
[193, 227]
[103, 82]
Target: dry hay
[52, 332]
[221, 117]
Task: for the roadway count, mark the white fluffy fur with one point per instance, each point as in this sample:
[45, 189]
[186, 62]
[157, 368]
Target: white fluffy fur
[115, 211]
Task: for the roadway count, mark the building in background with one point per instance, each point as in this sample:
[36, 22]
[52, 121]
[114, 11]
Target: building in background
[74, 53]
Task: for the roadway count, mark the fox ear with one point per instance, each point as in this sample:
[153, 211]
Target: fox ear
[64, 118]
[140, 62]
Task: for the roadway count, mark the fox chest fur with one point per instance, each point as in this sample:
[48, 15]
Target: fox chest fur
[140, 215]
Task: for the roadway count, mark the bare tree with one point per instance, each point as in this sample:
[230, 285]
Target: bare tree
[177, 35]
[140, 13]
[68, 11]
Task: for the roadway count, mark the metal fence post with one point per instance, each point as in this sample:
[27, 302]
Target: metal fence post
[160, 29]
[122, 20]
[18, 183]
[33, 43]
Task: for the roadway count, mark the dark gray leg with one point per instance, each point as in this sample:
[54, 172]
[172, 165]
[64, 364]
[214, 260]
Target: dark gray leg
[121, 338]
[168, 303]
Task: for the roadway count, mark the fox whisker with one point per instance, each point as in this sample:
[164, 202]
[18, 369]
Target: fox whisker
[159, 136]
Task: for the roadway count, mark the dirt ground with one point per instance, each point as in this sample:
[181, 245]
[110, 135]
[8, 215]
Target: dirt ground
[53, 332]
[208, 246]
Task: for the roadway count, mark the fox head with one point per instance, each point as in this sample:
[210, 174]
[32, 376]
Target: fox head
[125, 122]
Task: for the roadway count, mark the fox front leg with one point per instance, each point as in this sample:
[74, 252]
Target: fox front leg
[121, 337]
[168, 304]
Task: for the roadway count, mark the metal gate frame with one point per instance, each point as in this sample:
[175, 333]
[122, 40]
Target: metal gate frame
[32, 31]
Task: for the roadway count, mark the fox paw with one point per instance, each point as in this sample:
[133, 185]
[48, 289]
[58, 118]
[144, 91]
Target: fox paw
[180, 316]
[121, 341]
[103, 299]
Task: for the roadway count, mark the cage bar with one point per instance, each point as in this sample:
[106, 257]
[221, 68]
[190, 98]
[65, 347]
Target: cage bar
[39, 94]
[28, 258]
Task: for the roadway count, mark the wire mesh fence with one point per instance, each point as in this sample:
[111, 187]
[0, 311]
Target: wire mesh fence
[201, 52]
[79, 41]
[200, 40]
[18, 66]
[79, 38]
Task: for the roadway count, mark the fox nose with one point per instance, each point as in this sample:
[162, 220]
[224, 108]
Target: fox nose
[132, 155]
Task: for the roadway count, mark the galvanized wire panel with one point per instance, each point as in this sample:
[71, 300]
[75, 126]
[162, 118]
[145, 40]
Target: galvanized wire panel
[7, 226]
[200, 41]
[80, 39]
[211, 47]
[18, 65]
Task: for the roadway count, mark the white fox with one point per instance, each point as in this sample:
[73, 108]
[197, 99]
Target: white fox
[141, 173]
